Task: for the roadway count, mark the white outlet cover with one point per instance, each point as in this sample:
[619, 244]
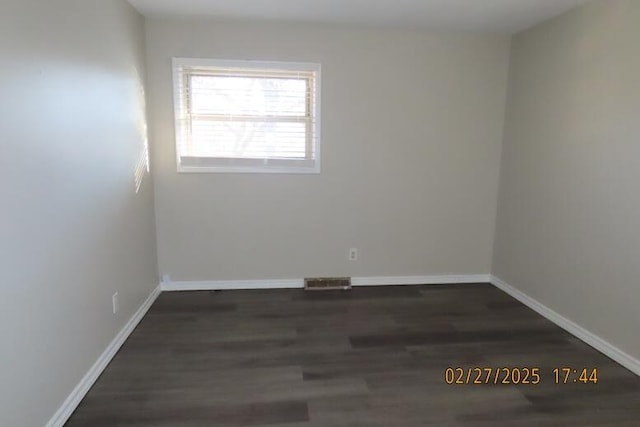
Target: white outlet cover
[114, 301]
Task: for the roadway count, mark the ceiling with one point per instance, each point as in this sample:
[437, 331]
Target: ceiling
[495, 16]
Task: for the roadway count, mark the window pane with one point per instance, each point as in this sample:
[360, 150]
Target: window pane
[247, 139]
[247, 116]
[248, 96]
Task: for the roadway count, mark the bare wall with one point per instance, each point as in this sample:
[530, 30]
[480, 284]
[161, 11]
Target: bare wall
[568, 230]
[73, 231]
[411, 133]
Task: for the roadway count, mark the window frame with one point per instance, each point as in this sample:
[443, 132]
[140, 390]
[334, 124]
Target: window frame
[240, 165]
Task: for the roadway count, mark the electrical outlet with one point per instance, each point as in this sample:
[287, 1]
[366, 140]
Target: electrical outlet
[166, 278]
[353, 254]
[114, 301]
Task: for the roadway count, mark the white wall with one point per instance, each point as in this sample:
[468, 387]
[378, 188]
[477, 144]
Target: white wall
[411, 134]
[568, 229]
[72, 229]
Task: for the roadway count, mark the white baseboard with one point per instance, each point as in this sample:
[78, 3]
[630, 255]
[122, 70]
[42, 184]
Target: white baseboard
[219, 285]
[73, 400]
[606, 348]
[223, 285]
[420, 280]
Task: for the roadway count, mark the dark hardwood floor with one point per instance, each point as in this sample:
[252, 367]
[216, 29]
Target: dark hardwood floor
[369, 357]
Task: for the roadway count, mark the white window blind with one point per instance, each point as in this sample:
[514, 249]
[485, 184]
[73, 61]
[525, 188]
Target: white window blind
[247, 116]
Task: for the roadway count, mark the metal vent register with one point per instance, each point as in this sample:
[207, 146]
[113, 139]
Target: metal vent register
[327, 283]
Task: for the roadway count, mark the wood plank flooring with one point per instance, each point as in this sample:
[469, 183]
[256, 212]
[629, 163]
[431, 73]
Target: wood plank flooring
[370, 357]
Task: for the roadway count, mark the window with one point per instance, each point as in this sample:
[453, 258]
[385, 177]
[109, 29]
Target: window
[247, 116]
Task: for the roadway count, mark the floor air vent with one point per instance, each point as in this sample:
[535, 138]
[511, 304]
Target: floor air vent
[327, 283]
